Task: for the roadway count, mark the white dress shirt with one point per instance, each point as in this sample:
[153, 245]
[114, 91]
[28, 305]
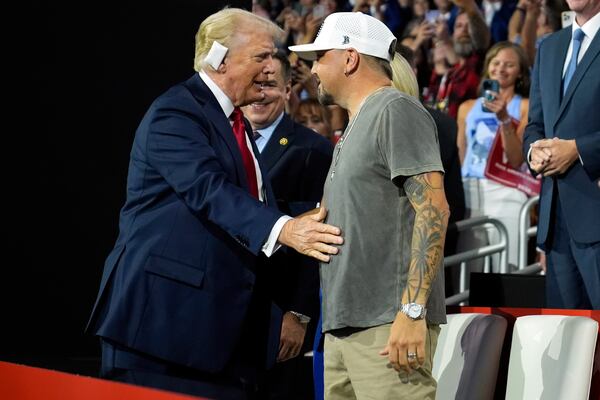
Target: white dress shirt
[271, 245]
[266, 133]
[590, 28]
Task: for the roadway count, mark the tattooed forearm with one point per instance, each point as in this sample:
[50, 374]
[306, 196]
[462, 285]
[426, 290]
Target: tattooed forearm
[417, 186]
[426, 194]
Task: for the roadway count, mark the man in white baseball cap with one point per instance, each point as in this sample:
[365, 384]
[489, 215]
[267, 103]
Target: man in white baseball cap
[383, 298]
[346, 30]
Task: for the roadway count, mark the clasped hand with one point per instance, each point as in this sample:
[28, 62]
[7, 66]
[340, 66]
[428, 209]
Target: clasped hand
[553, 156]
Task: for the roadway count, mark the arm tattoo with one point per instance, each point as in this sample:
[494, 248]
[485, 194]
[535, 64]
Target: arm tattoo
[426, 194]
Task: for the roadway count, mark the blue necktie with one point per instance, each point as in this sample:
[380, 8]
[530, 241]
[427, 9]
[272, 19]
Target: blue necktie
[577, 38]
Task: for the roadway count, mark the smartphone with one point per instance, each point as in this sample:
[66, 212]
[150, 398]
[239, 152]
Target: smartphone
[487, 87]
[566, 18]
[432, 16]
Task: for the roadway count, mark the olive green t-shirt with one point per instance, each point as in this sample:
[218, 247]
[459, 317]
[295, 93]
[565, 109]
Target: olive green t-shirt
[391, 136]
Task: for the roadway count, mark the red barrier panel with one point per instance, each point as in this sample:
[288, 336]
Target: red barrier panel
[20, 382]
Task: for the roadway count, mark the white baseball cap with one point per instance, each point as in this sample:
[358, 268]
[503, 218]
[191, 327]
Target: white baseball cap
[345, 30]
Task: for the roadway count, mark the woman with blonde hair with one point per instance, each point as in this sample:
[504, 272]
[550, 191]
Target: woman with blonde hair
[404, 78]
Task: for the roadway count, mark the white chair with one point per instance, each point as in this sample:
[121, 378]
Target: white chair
[467, 356]
[551, 357]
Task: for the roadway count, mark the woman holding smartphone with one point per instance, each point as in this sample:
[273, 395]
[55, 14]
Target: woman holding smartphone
[502, 110]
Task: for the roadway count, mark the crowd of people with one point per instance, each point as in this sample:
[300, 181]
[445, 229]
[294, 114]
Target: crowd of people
[304, 177]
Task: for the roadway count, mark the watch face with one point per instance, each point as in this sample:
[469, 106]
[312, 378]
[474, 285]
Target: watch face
[415, 310]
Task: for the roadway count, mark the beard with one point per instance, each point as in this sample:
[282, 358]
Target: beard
[324, 98]
[463, 48]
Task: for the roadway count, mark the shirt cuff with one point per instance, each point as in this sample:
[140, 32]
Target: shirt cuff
[529, 155]
[271, 245]
[578, 155]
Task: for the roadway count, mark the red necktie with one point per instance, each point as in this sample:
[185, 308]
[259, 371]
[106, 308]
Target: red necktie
[239, 131]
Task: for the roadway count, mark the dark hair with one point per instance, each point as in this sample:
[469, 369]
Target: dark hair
[313, 107]
[286, 68]
[265, 4]
[379, 63]
[553, 10]
[406, 52]
[408, 29]
[522, 83]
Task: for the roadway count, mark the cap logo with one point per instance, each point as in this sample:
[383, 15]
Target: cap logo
[346, 40]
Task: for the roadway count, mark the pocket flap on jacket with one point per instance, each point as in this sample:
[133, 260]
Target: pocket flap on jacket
[174, 270]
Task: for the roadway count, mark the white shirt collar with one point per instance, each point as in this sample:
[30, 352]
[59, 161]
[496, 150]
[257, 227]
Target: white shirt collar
[268, 131]
[224, 101]
[590, 28]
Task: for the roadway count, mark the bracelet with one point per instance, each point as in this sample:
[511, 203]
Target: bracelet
[523, 10]
[507, 121]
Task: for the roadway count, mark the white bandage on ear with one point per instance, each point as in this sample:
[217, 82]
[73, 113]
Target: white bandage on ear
[216, 55]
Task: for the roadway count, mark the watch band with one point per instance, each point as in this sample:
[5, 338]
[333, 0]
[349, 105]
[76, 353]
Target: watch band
[414, 311]
[303, 319]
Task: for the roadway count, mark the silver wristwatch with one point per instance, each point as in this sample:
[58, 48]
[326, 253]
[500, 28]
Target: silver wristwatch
[303, 319]
[414, 311]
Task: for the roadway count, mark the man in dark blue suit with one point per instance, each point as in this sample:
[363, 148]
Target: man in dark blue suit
[562, 142]
[183, 303]
[296, 160]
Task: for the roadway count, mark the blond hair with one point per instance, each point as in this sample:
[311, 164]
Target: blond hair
[222, 27]
[404, 78]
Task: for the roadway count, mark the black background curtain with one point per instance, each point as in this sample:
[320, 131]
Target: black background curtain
[81, 76]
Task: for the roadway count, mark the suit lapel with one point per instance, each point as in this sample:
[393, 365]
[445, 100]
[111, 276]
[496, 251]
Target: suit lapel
[580, 71]
[221, 123]
[274, 148]
[268, 195]
[554, 61]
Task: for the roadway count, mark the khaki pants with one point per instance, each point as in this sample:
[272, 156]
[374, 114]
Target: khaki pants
[355, 370]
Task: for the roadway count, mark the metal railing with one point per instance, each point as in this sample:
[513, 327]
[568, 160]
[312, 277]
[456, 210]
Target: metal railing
[530, 269]
[485, 251]
[525, 230]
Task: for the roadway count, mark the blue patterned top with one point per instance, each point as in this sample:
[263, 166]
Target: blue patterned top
[480, 129]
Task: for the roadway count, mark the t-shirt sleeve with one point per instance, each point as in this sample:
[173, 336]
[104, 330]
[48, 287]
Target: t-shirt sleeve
[408, 139]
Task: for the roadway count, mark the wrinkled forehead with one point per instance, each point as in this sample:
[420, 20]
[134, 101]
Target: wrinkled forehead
[252, 39]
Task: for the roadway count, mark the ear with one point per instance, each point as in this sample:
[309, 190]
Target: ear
[223, 66]
[352, 59]
[288, 91]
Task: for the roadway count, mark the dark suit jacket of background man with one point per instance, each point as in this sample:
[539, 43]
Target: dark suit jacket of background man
[575, 117]
[182, 275]
[297, 161]
[453, 186]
